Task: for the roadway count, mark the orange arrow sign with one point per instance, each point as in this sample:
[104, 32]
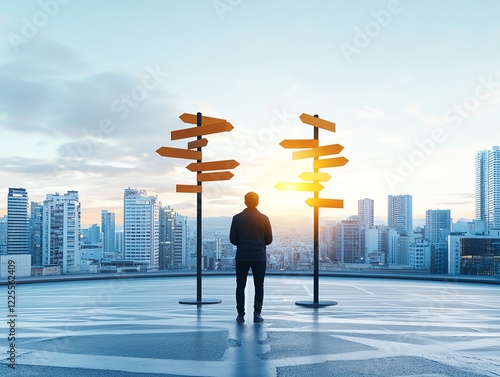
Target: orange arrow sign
[202, 130]
[212, 165]
[187, 188]
[193, 119]
[198, 143]
[330, 162]
[317, 152]
[315, 176]
[331, 203]
[299, 143]
[218, 176]
[317, 122]
[179, 153]
[299, 186]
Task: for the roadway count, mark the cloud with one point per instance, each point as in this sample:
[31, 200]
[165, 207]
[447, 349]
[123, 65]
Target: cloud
[457, 199]
[61, 96]
[369, 113]
[102, 125]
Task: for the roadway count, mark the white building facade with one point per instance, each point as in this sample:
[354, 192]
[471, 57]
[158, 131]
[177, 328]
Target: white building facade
[419, 256]
[488, 188]
[400, 214]
[141, 227]
[366, 212]
[61, 232]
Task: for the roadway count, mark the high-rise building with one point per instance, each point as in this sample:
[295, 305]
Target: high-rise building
[349, 241]
[61, 231]
[437, 225]
[108, 232]
[119, 244]
[327, 240]
[173, 239]
[36, 233]
[419, 254]
[166, 237]
[402, 252]
[179, 246]
[474, 255]
[400, 214]
[93, 235]
[141, 227]
[488, 187]
[393, 246]
[18, 231]
[365, 212]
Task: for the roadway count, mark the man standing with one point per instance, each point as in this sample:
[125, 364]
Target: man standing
[250, 233]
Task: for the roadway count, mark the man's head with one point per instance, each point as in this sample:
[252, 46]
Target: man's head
[251, 200]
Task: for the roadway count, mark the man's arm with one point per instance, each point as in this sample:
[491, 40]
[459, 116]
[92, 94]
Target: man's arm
[269, 231]
[233, 233]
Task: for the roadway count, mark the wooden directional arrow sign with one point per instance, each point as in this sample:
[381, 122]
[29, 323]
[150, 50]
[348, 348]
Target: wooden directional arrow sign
[187, 188]
[330, 162]
[317, 152]
[299, 186]
[212, 165]
[218, 176]
[317, 122]
[198, 143]
[331, 203]
[205, 121]
[315, 176]
[202, 130]
[299, 143]
[179, 153]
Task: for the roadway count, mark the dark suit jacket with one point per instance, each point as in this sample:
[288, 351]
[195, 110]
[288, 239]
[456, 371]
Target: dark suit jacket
[250, 233]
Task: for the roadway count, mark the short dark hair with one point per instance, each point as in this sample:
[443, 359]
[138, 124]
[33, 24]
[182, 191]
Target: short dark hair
[252, 199]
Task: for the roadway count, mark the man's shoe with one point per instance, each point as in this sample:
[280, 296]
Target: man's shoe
[257, 318]
[240, 319]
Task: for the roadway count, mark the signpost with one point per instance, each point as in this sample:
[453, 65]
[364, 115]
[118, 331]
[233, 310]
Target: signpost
[315, 176]
[204, 126]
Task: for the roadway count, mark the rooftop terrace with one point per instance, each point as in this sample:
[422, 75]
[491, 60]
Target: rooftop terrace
[136, 327]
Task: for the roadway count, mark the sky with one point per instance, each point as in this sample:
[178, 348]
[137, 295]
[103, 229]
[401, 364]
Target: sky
[89, 90]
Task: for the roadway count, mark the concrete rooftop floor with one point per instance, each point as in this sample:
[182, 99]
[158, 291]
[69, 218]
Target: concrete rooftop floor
[136, 327]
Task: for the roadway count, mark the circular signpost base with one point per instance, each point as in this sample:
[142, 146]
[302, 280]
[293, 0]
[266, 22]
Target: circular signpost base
[205, 301]
[319, 304]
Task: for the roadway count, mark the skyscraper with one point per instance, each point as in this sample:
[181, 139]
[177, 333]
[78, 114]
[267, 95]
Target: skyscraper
[437, 225]
[36, 233]
[365, 212]
[141, 227]
[179, 245]
[349, 241]
[61, 231]
[166, 237]
[108, 232]
[488, 187]
[18, 231]
[400, 214]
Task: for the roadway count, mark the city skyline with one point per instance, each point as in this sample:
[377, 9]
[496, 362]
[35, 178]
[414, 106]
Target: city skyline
[365, 212]
[412, 105]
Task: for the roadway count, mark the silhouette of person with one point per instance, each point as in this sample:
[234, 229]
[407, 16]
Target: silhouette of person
[250, 233]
